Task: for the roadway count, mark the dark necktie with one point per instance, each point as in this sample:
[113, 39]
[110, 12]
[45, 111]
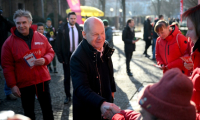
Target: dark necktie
[73, 42]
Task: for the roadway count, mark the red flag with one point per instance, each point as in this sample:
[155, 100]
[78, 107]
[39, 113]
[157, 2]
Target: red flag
[75, 7]
[181, 9]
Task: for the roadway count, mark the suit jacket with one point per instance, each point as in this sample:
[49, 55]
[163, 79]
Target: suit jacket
[63, 42]
[91, 85]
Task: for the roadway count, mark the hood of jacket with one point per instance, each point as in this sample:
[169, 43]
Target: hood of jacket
[173, 33]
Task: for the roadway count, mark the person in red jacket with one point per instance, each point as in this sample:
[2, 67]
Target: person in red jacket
[170, 46]
[193, 18]
[25, 55]
[172, 102]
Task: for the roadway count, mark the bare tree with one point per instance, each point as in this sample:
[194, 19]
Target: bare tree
[156, 5]
[103, 3]
[190, 3]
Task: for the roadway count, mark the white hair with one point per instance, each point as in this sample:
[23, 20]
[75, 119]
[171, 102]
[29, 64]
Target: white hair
[22, 13]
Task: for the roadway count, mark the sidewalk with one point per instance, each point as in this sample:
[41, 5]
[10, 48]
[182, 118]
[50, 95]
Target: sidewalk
[127, 87]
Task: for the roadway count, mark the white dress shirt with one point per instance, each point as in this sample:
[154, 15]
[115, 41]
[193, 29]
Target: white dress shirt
[75, 36]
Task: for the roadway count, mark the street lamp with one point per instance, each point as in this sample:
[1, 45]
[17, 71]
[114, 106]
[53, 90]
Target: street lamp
[120, 10]
[130, 13]
[111, 10]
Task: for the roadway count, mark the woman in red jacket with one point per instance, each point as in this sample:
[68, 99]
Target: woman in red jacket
[170, 46]
[193, 18]
[172, 102]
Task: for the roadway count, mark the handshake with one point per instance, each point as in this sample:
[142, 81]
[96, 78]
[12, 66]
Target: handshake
[108, 110]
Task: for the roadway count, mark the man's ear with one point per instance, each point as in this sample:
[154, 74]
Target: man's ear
[31, 23]
[84, 34]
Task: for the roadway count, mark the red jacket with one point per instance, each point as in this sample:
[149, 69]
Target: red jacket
[126, 115]
[196, 89]
[196, 58]
[16, 70]
[170, 49]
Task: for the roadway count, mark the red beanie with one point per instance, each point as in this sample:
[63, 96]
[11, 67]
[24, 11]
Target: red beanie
[169, 99]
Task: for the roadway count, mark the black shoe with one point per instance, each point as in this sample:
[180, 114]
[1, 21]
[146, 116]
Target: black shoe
[67, 99]
[154, 59]
[129, 74]
[148, 56]
[55, 71]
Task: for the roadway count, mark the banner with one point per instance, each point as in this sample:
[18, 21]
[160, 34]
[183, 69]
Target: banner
[75, 7]
[181, 9]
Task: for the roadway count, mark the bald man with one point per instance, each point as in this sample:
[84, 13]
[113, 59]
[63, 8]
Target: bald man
[92, 73]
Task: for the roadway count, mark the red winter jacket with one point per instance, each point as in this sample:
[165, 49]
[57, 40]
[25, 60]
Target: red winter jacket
[196, 89]
[196, 58]
[15, 69]
[126, 115]
[170, 49]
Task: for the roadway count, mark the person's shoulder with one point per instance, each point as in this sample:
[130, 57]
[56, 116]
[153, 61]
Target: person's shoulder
[37, 34]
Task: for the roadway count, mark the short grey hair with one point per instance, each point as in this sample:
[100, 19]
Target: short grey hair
[86, 26]
[22, 13]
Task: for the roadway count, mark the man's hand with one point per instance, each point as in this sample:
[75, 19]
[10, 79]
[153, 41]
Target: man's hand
[188, 66]
[39, 62]
[15, 91]
[114, 108]
[105, 111]
[149, 37]
[134, 41]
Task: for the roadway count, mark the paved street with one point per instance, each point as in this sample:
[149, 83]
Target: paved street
[127, 87]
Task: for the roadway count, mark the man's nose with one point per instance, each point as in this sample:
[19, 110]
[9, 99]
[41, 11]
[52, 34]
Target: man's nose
[99, 36]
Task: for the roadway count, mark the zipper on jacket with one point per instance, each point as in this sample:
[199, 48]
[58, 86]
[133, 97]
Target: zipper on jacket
[98, 76]
[168, 49]
[166, 53]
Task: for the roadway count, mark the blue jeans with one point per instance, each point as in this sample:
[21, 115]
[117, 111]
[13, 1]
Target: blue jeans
[7, 90]
[154, 47]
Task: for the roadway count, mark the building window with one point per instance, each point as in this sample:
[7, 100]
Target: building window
[20, 6]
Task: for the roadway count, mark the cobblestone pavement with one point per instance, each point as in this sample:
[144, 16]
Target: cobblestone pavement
[127, 87]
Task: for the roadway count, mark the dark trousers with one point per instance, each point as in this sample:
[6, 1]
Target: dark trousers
[53, 44]
[66, 69]
[147, 45]
[128, 59]
[44, 98]
[53, 61]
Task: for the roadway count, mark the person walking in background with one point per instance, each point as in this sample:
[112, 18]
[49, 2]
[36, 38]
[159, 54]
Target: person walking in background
[92, 73]
[147, 34]
[5, 27]
[68, 39]
[155, 36]
[25, 55]
[50, 33]
[170, 46]
[128, 36]
[109, 34]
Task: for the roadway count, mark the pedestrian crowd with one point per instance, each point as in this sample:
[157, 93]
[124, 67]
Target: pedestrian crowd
[28, 54]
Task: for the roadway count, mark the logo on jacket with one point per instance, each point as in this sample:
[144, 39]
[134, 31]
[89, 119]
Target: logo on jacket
[39, 43]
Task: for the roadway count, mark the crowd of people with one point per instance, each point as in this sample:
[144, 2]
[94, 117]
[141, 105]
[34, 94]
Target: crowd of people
[27, 54]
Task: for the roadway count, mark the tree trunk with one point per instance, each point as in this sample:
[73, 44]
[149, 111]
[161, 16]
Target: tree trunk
[124, 12]
[158, 8]
[55, 6]
[103, 3]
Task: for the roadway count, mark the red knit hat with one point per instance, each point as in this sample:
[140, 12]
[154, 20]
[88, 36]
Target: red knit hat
[169, 99]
